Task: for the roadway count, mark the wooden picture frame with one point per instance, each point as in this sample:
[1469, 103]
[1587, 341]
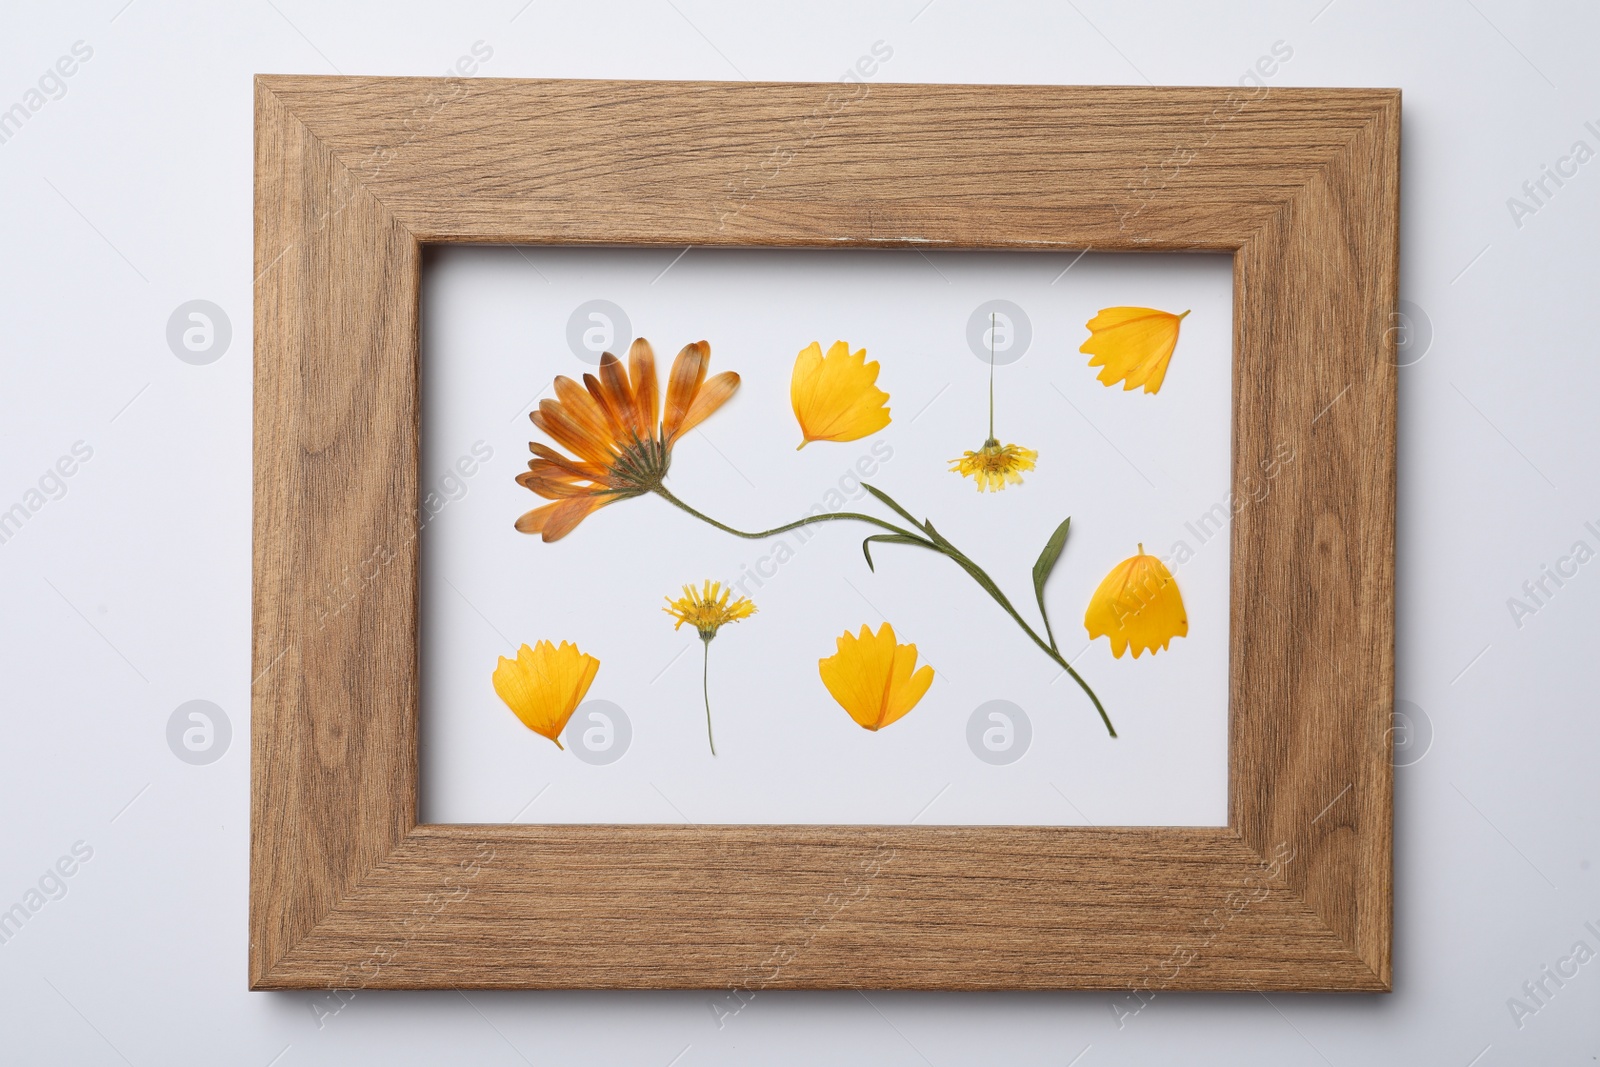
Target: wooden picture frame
[354, 175]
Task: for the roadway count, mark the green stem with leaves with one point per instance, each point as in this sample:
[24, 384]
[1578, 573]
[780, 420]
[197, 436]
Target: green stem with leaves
[923, 535]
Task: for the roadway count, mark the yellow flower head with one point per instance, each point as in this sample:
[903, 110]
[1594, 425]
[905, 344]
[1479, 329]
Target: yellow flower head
[1138, 604]
[544, 685]
[871, 677]
[1133, 345]
[708, 609]
[994, 466]
[834, 397]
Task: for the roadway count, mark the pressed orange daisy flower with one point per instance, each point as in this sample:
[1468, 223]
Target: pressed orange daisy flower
[620, 438]
[708, 610]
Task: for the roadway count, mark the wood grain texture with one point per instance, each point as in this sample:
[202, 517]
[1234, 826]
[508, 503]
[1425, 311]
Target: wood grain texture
[353, 174]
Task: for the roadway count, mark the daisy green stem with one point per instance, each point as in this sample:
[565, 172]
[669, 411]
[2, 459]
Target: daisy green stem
[666, 494]
[923, 537]
[991, 375]
[705, 688]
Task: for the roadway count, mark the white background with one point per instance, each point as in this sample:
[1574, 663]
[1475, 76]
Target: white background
[1129, 467]
[131, 195]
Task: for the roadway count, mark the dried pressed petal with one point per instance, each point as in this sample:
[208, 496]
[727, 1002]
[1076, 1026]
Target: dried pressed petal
[872, 677]
[1132, 345]
[1138, 605]
[835, 397]
[712, 395]
[544, 685]
[646, 399]
[552, 483]
[543, 453]
[616, 395]
[555, 521]
[688, 371]
[553, 419]
[616, 418]
[582, 407]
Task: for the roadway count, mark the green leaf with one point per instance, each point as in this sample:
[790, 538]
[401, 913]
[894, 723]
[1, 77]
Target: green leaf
[888, 539]
[1044, 565]
[938, 538]
[885, 499]
[1047, 558]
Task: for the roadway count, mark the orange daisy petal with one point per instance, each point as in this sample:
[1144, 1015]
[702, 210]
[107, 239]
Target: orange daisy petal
[712, 395]
[592, 472]
[554, 521]
[646, 390]
[582, 407]
[553, 419]
[553, 485]
[617, 395]
[688, 371]
[613, 416]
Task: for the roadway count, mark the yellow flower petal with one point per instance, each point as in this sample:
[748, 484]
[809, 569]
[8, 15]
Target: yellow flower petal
[1137, 604]
[834, 396]
[994, 466]
[872, 678]
[544, 685]
[1133, 345]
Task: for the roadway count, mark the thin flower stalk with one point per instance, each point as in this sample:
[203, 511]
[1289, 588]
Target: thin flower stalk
[708, 609]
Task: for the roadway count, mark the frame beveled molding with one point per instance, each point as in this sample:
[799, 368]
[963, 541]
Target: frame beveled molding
[353, 175]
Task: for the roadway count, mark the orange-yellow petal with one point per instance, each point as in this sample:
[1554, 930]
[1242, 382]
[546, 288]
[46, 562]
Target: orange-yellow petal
[544, 685]
[616, 394]
[594, 472]
[688, 371]
[611, 410]
[1132, 345]
[554, 419]
[646, 390]
[872, 677]
[714, 392]
[1138, 605]
[582, 408]
[554, 521]
[835, 397]
[552, 483]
